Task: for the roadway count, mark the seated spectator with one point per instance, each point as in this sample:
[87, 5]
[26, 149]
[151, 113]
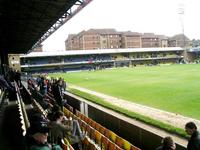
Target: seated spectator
[37, 137]
[68, 128]
[53, 111]
[194, 141]
[167, 144]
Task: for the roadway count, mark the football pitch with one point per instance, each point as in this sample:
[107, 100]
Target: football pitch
[174, 88]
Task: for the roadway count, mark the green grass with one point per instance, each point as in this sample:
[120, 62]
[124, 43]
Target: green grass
[145, 119]
[173, 88]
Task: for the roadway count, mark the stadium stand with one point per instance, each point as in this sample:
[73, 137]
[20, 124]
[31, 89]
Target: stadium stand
[98, 136]
[93, 131]
[96, 59]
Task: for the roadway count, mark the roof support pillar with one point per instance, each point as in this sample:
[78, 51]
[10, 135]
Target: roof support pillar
[3, 61]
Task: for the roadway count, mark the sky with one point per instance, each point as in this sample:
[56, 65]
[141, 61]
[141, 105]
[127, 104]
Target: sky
[152, 16]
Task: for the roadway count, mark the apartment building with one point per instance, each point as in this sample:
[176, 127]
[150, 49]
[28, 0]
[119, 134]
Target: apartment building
[89, 40]
[150, 40]
[131, 39]
[72, 43]
[112, 39]
[103, 39]
[163, 40]
[179, 40]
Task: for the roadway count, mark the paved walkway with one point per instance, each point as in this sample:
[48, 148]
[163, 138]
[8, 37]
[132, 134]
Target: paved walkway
[167, 117]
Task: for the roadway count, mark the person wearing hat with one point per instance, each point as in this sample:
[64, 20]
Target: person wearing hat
[37, 135]
[37, 138]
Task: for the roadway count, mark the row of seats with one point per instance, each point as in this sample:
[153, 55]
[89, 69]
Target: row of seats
[101, 137]
[88, 143]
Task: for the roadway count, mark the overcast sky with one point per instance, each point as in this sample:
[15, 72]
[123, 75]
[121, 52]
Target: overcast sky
[157, 16]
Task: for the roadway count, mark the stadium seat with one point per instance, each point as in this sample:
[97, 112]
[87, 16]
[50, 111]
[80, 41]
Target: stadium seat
[107, 133]
[92, 123]
[98, 136]
[127, 145]
[112, 136]
[111, 146]
[70, 108]
[119, 141]
[92, 134]
[66, 145]
[66, 112]
[91, 146]
[78, 113]
[88, 130]
[85, 143]
[104, 143]
[134, 148]
[74, 117]
[82, 116]
[118, 148]
[102, 129]
[88, 120]
[97, 126]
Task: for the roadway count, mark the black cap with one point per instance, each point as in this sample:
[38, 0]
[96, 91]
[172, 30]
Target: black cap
[38, 124]
[39, 127]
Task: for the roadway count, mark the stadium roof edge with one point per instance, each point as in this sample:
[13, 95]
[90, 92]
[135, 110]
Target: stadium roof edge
[100, 51]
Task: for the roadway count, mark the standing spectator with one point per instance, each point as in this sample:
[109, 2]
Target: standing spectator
[64, 85]
[17, 77]
[194, 141]
[58, 94]
[167, 144]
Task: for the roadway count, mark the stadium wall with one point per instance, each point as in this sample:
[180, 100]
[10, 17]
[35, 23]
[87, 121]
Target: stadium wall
[139, 134]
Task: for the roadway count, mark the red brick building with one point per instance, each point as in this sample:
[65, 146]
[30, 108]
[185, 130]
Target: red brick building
[150, 40]
[111, 39]
[179, 40]
[131, 40]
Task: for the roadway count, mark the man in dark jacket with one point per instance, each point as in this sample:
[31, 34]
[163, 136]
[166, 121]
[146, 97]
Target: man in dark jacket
[194, 141]
[58, 94]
